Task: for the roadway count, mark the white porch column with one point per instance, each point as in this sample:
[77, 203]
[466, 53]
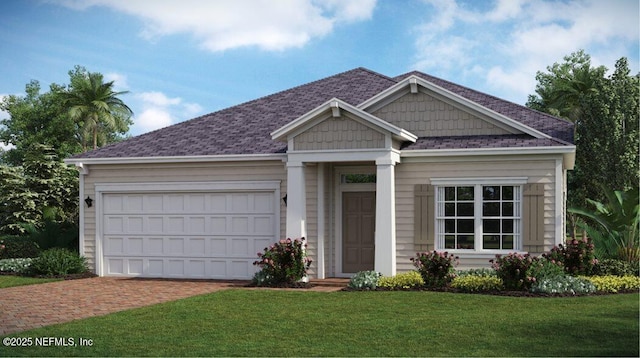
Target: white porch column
[296, 201]
[385, 237]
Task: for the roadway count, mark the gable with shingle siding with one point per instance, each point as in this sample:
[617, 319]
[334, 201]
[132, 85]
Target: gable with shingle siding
[427, 116]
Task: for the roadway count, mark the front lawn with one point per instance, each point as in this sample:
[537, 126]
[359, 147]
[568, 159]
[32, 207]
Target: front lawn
[11, 281]
[242, 322]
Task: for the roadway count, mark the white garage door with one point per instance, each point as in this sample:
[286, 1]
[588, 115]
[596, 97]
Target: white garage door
[186, 235]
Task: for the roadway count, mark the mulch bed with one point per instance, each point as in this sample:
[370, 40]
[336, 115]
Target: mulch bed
[64, 277]
[499, 293]
[302, 285]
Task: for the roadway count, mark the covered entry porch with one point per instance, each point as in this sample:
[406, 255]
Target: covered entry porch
[346, 210]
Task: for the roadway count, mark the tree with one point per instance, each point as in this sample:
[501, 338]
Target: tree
[43, 184]
[95, 107]
[44, 118]
[606, 112]
[36, 118]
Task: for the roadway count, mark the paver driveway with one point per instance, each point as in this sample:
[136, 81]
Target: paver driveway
[32, 306]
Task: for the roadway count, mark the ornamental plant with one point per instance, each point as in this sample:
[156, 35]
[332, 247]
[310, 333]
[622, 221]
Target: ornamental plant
[436, 268]
[405, 280]
[58, 262]
[284, 262]
[365, 280]
[476, 283]
[19, 266]
[577, 256]
[613, 284]
[513, 269]
[563, 285]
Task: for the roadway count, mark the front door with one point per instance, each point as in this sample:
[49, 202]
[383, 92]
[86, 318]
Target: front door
[358, 231]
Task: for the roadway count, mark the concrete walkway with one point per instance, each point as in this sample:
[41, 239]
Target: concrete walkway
[33, 306]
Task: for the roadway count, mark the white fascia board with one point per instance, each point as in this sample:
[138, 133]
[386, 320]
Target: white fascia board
[81, 162]
[402, 85]
[334, 104]
[566, 151]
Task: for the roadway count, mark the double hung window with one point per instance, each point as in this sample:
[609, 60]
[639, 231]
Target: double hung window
[479, 217]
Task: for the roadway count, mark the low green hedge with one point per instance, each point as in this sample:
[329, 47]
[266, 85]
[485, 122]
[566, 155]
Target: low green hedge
[613, 284]
[405, 280]
[473, 283]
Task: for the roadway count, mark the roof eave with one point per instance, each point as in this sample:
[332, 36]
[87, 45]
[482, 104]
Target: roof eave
[568, 152]
[177, 159]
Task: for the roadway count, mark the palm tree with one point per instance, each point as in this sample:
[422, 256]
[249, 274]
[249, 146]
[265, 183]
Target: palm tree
[96, 108]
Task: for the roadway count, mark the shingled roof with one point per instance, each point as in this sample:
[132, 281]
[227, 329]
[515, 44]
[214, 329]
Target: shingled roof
[246, 128]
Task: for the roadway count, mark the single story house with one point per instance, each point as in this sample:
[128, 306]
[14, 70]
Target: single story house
[369, 169]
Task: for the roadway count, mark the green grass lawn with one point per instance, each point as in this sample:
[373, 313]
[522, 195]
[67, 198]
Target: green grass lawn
[293, 323]
[11, 281]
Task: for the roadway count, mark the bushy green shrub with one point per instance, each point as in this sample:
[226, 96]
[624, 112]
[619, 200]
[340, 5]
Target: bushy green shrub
[365, 280]
[543, 268]
[563, 285]
[512, 270]
[613, 267]
[19, 266]
[614, 283]
[576, 256]
[262, 278]
[436, 268]
[16, 247]
[481, 272]
[58, 262]
[285, 261]
[477, 283]
[405, 280]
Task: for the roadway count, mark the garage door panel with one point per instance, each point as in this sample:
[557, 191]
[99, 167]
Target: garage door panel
[181, 268]
[187, 235]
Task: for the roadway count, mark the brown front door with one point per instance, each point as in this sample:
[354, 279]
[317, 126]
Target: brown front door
[358, 231]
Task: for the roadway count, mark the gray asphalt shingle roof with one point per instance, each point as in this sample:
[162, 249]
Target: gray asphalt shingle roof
[246, 128]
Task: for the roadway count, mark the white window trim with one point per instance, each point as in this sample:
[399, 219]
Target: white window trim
[477, 183]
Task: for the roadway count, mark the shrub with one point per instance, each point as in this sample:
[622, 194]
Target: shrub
[513, 268]
[543, 268]
[19, 266]
[405, 280]
[58, 262]
[284, 261]
[262, 278]
[477, 283]
[577, 256]
[563, 285]
[481, 272]
[615, 283]
[365, 280]
[16, 247]
[436, 268]
[613, 267]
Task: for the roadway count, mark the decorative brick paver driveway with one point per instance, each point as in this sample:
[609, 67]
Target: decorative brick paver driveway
[32, 306]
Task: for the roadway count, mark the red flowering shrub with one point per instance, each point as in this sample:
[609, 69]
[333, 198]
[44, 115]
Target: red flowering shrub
[577, 257]
[284, 262]
[436, 268]
[515, 270]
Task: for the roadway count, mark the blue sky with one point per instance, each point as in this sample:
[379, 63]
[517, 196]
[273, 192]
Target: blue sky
[184, 58]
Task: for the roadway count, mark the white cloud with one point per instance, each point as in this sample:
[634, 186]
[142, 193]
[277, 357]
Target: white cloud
[4, 115]
[153, 118]
[119, 81]
[158, 99]
[512, 39]
[159, 111]
[227, 24]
